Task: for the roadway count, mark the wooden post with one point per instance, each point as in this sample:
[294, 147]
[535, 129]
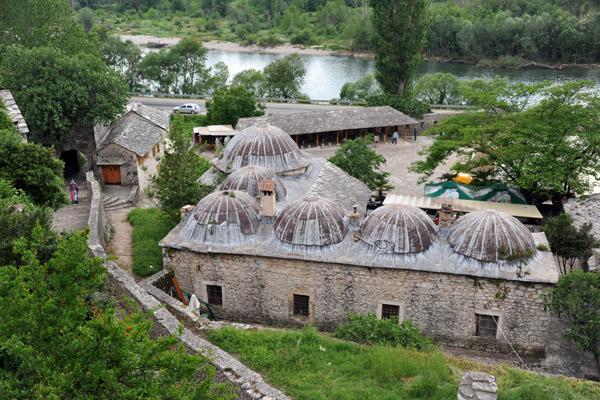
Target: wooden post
[385, 140]
[296, 140]
[405, 131]
[346, 134]
[338, 137]
[178, 289]
[317, 139]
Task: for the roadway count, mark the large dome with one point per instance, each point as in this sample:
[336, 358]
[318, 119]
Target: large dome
[398, 229]
[311, 221]
[223, 217]
[263, 146]
[248, 179]
[484, 234]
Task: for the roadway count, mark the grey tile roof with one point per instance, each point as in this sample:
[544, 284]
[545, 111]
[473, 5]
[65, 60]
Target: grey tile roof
[138, 130]
[14, 113]
[330, 121]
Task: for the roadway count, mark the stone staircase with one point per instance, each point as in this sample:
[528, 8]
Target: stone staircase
[112, 203]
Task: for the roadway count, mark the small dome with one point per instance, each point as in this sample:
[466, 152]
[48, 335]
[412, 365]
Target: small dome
[263, 146]
[482, 234]
[224, 217]
[398, 229]
[248, 179]
[311, 221]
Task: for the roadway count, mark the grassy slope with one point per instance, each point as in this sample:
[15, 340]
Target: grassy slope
[307, 365]
[149, 227]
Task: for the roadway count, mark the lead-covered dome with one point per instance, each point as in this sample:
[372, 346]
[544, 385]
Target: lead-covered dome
[223, 217]
[398, 229]
[248, 179]
[484, 234]
[263, 146]
[311, 221]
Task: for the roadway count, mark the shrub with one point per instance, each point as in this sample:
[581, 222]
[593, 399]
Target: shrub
[368, 329]
[303, 37]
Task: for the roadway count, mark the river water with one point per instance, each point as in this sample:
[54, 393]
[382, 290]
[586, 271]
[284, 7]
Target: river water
[325, 75]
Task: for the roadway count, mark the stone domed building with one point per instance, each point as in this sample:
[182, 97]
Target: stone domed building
[248, 179]
[263, 146]
[224, 218]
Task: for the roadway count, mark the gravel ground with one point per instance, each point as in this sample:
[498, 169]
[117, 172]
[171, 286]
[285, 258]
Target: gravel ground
[399, 157]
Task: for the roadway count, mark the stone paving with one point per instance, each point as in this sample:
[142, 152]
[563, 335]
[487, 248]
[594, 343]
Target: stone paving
[73, 217]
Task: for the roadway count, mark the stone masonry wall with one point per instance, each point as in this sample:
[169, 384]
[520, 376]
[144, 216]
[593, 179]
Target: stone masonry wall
[261, 289]
[129, 170]
[149, 168]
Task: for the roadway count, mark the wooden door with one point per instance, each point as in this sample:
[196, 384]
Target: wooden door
[111, 174]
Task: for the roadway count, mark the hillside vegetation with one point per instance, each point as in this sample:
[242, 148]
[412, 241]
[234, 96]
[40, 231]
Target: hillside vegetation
[471, 30]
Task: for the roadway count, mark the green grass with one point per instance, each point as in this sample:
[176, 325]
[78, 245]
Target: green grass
[307, 365]
[149, 227]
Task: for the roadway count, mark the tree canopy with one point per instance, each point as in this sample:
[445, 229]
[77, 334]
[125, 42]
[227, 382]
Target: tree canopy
[176, 184]
[550, 150]
[360, 161]
[227, 106]
[399, 29]
[578, 295]
[284, 77]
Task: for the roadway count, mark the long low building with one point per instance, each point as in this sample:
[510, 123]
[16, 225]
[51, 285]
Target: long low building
[328, 127]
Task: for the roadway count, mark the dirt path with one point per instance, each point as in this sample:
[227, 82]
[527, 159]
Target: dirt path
[120, 242]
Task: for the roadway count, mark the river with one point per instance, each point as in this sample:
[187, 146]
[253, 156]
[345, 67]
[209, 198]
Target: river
[325, 75]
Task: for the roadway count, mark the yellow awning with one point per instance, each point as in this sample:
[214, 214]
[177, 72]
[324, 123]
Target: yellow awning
[435, 203]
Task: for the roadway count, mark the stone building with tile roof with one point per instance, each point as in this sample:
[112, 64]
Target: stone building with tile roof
[128, 152]
[14, 113]
[319, 127]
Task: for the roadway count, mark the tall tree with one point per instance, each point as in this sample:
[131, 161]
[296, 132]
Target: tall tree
[399, 29]
[55, 90]
[227, 106]
[578, 295]
[550, 150]
[176, 184]
[284, 77]
[123, 57]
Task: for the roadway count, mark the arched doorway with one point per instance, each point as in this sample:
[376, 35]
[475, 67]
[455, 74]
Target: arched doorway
[71, 160]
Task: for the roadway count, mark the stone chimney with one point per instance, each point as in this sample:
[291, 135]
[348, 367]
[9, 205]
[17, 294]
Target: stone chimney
[268, 201]
[445, 221]
[185, 209]
[354, 219]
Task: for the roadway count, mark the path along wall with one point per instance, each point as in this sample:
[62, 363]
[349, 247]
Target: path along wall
[445, 306]
[249, 384]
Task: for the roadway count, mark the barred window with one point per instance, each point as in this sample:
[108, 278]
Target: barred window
[301, 305]
[389, 310]
[486, 325]
[214, 295]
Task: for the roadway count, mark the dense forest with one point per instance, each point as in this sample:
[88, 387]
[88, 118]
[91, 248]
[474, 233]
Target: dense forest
[514, 31]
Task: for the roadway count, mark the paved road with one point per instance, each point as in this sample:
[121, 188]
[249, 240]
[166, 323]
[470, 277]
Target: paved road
[272, 108]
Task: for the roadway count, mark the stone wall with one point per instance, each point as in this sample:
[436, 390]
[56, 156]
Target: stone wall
[261, 289]
[149, 168]
[248, 384]
[129, 169]
[430, 119]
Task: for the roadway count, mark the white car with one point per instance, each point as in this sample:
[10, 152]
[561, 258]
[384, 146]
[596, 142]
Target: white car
[189, 108]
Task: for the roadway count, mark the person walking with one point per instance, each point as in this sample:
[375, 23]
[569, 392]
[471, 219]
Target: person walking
[74, 192]
[415, 134]
[395, 137]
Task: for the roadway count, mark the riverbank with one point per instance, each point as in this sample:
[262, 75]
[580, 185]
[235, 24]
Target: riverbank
[166, 42]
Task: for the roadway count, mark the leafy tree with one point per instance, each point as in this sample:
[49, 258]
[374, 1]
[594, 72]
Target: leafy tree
[227, 106]
[284, 77]
[578, 295]
[123, 57]
[32, 169]
[360, 161]
[86, 18]
[218, 78]
[399, 29]
[158, 68]
[61, 339]
[176, 184]
[438, 89]
[359, 90]
[250, 79]
[55, 90]
[568, 242]
[550, 150]
[190, 59]
[407, 104]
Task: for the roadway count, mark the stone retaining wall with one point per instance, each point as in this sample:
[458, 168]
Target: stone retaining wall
[249, 384]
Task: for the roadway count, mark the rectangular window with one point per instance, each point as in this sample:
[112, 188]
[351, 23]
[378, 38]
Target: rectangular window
[486, 325]
[214, 294]
[389, 310]
[301, 305]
